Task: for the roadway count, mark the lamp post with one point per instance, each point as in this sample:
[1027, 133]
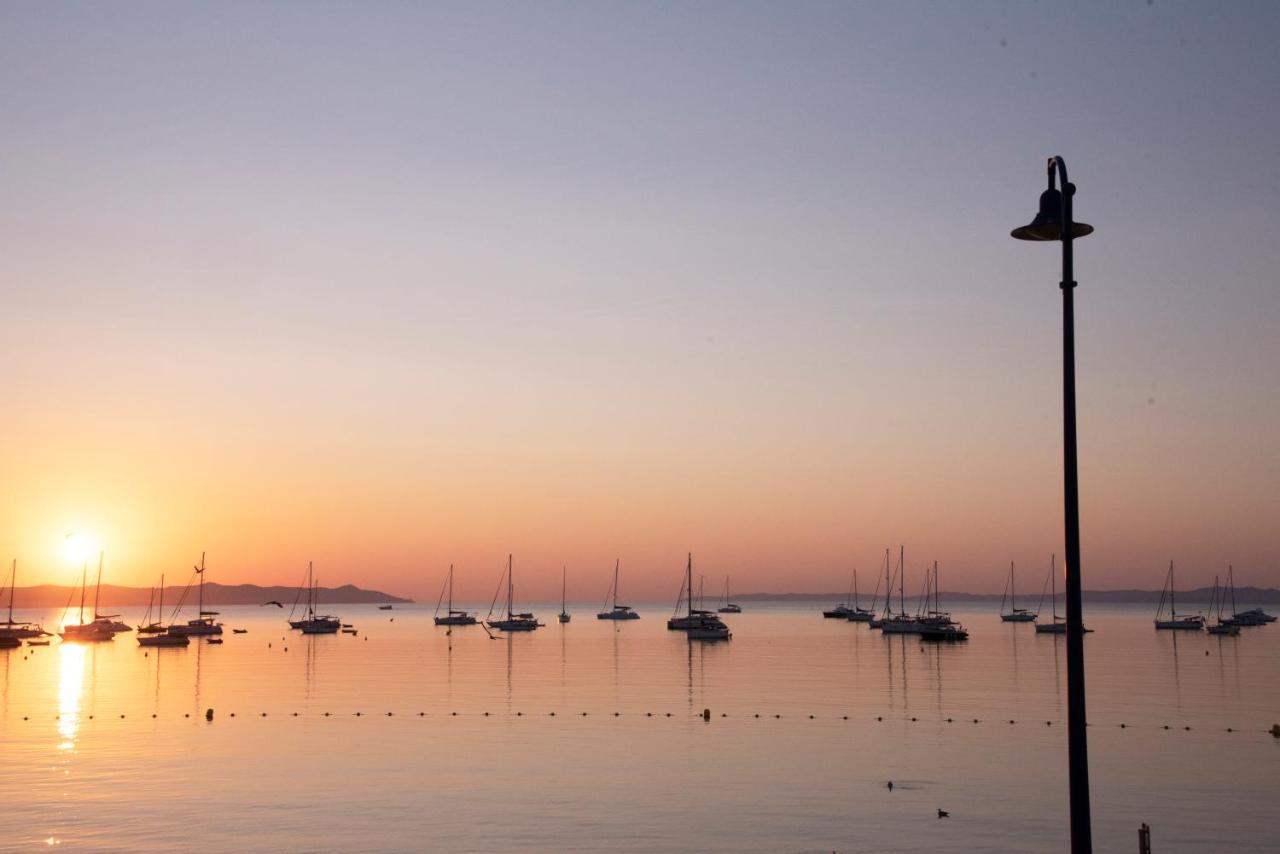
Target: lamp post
[1054, 222]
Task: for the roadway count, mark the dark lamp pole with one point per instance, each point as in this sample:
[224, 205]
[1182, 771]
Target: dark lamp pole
[1054, 222]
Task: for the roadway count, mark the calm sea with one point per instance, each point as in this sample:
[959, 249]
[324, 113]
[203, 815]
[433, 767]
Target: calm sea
[590, 737]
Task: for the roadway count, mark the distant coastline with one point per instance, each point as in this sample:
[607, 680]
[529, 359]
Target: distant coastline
[54, 596]
[1250, 595]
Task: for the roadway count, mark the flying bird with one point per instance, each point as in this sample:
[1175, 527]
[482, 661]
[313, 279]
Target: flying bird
[943, 814]
[275, 602]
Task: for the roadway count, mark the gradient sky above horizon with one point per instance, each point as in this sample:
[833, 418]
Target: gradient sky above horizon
[390, 286]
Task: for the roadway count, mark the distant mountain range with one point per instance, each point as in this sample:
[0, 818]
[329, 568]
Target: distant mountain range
[1200, 595]
[52, 596]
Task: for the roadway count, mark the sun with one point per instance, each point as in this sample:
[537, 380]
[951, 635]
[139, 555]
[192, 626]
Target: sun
[76, 547]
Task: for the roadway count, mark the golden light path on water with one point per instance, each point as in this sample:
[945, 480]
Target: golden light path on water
[70, 689]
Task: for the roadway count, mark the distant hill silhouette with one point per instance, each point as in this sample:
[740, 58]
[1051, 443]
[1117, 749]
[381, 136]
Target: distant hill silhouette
[1245, 596]
[53, 596]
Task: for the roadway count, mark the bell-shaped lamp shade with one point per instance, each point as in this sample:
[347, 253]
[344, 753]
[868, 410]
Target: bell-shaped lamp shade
[1048, 222]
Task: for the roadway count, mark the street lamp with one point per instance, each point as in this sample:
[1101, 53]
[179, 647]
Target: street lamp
[1054, 222]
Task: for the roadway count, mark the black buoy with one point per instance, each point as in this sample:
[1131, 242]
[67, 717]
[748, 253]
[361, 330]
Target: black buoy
[208, 714]
[1275, 730]
[706, 714]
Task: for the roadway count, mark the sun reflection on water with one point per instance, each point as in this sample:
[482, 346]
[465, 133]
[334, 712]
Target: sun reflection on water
[70, 687]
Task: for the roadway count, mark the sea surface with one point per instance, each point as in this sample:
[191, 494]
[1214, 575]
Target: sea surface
[590, 736]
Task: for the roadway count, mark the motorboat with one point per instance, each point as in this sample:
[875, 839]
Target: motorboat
[946, 633]
[710, 627]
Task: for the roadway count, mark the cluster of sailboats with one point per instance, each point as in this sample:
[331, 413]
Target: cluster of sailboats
[697, 622]
[1222, 623]
[928, 621]
[932, 623]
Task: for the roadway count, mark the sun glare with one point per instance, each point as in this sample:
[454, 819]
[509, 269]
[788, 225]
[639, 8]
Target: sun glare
[76, 547]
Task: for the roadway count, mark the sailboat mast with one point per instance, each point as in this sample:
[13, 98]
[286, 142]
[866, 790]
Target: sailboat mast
[564, 586]
[510, 587]
[200, 595]
[450, 589]
[160, 609]
[1173, 608]
[1013, 590]
[902, 572]
[616, 563]
[13, 586]
[937, 600]
[1053, 582]
[84, 580]
[1230, 583]
[97, 590]
[855, 591]
[688, 581]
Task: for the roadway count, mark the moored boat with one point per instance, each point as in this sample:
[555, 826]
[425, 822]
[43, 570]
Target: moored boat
[156, 634]
[1193, 622]
[617, 612]
[15, 629]
[451, 616]
[1014, 614]
[512, 622]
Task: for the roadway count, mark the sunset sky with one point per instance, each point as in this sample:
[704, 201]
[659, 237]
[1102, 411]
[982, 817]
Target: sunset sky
[388, 287]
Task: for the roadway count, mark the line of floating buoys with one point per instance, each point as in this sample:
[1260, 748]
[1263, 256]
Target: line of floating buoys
[705, 714]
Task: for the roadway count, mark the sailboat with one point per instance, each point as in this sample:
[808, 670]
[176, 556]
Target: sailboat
[728, 607]
[617, 612]
[696, 623]
[513, 622]
[1194, 622]
[878, 622]
[564, 586]
[858, 614]
[451, 617]
[1252, 617]
[311, 622]
[1059, 624]
[900, 623]
[105, 622]
[155, 634]
[204, 623]
[11, 629]
[150, 626]
[1222, 627]
[1014, 614]
[91, 632]
[937, 624]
